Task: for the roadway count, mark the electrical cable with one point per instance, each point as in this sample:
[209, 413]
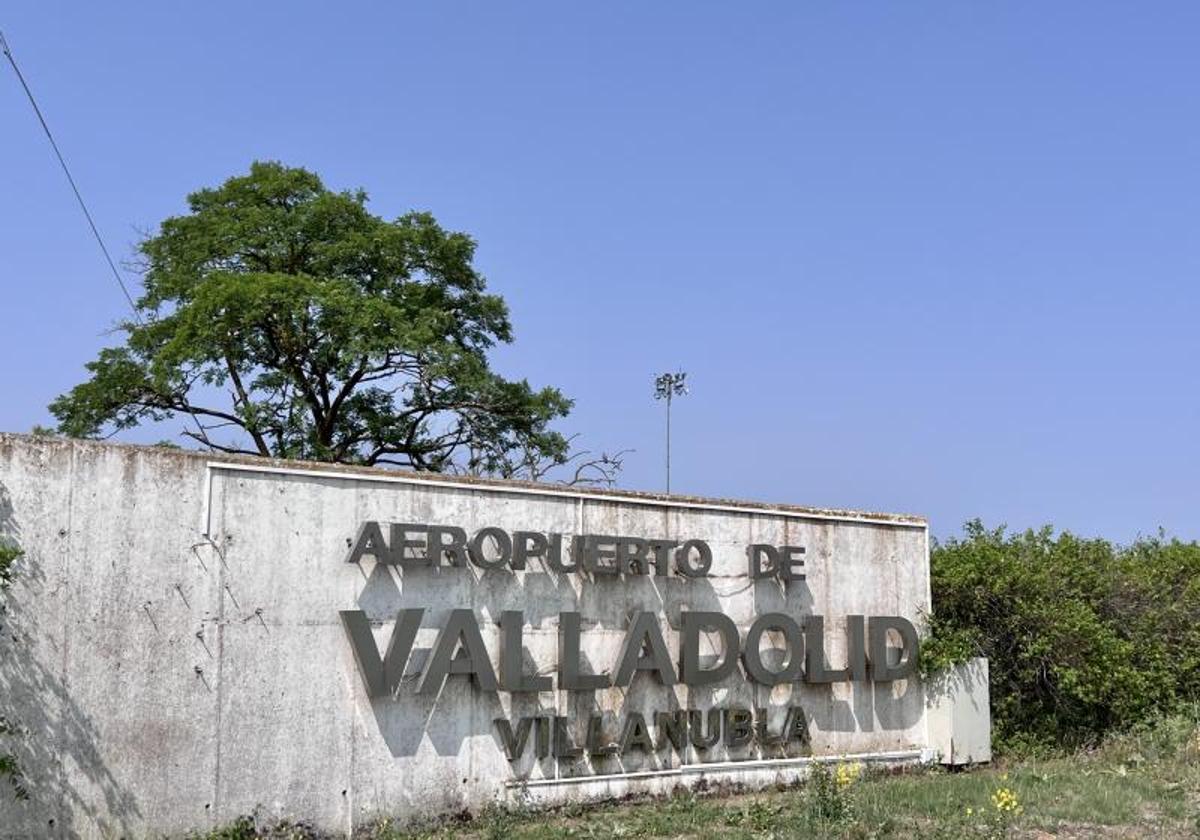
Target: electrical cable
[70, 179]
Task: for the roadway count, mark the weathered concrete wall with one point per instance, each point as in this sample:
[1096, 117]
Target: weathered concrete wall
[173, 644]
[959, 714]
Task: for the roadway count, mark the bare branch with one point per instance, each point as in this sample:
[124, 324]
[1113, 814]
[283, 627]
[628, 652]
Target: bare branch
[204, 439]
[601, 471]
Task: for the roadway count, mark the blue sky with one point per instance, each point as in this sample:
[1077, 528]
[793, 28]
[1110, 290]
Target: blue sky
[937, 258]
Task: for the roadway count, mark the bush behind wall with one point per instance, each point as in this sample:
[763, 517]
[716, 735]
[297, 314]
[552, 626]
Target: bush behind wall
[1083, 637]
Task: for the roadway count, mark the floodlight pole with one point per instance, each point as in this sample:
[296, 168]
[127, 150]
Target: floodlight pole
[666, 387]
[668, 442]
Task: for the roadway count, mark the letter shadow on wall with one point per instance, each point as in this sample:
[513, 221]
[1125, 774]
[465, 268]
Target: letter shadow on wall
[460, 710]
[387, 590]
[884, 706]
[887, 706]
[645, 696]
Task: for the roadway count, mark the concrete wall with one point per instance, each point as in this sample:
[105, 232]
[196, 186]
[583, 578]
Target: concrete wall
[174, 650]
[959, 714]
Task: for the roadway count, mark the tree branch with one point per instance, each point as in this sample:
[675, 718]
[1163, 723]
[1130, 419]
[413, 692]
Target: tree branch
[244, 398]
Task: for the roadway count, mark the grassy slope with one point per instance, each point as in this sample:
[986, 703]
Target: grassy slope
[1146, 784]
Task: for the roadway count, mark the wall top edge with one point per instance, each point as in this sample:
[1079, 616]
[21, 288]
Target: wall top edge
[239, 463]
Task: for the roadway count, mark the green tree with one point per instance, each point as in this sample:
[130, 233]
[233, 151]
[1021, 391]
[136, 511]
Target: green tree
[281, 318]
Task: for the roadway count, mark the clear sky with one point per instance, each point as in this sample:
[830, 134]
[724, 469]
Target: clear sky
[939, 258]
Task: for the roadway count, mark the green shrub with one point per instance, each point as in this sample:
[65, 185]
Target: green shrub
[242, 828]
[8, 556]
[9, 768]
[1083, 637]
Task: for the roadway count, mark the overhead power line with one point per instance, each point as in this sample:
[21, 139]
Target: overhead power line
[71, 180]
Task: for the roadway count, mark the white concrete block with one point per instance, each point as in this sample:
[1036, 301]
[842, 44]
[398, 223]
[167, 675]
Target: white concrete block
[959, 714]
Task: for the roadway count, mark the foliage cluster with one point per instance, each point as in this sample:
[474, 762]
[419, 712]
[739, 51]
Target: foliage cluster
[10, 770]
[8, 557]
[1083, 637]
[281, 318]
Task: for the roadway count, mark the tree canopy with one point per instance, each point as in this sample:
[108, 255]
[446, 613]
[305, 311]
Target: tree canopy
[281, 318]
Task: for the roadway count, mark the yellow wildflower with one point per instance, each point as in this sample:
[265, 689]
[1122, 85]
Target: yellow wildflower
[1006, 801]
[847, 774]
